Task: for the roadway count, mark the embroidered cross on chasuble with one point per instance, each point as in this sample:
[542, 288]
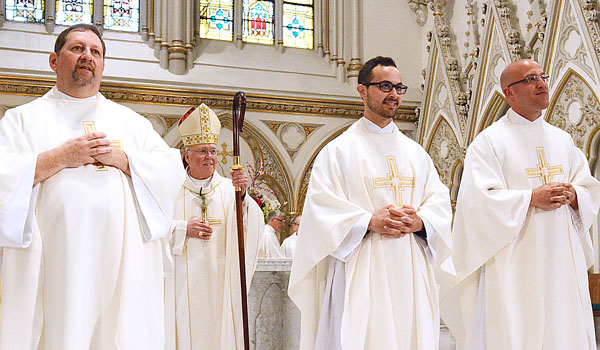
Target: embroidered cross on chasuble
[90, 127]
[394, 181]
[544, 171]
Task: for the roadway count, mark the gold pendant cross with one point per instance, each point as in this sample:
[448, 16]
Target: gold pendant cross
[543, 170]
[394, 180]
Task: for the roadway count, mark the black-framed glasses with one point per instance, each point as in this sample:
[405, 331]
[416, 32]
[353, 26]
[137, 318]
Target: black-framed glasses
[387, 86]
[532, 79]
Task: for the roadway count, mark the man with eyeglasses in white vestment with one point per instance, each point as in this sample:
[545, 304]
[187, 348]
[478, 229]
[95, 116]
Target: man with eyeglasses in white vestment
[521, 242]
[203, 302]
[375, 233]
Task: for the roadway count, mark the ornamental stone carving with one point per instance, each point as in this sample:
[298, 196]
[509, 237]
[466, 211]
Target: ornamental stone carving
[445, 151]
[576, 110]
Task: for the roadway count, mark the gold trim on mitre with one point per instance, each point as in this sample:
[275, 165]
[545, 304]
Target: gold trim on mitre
[199, 126]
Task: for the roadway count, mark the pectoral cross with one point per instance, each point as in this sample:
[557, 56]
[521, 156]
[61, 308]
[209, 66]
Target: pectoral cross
[90, 127]
[394, 181]
[204, 208]
[224, 153]
[543, 170]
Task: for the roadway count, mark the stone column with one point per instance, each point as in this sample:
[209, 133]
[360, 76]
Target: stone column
[163, 55]
[341, 65]
[176, 49]
[355, 64]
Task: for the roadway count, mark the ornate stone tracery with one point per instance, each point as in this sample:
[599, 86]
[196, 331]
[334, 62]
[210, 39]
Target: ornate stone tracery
[576, 110]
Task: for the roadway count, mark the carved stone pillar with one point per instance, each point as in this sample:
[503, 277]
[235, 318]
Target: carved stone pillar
[355, 64]
[176, 49]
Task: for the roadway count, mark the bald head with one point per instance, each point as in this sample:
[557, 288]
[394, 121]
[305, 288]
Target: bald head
[515, 71]
[527, 97]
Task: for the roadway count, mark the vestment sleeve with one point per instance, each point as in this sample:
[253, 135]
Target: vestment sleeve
[488, 216]
[157, 175]
[17, 194]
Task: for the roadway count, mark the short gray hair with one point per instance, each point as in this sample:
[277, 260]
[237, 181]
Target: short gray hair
[273, 214]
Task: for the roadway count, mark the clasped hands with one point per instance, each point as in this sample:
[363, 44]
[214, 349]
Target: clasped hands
[394, 222]
[554, 195]
[92, 148]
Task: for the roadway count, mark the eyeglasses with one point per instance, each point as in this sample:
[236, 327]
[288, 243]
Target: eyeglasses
[278, 219]
[387, 86]
[204, 153]
[532, 79]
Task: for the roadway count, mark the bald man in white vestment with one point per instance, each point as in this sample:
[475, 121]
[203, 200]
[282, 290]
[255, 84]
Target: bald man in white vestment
[375, 233]
[206, 305]
[87, 189]
[521, 232]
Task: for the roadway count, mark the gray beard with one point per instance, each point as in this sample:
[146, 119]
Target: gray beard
[80, 80]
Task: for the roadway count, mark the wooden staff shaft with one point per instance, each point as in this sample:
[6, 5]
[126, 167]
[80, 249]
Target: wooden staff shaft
[239, 109]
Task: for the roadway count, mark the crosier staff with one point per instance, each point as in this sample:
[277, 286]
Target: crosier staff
[239, 109]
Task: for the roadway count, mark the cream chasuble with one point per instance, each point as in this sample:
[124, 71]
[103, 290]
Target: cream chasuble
[269, 244]
[82, 266]
[390, 293]
[208, 305]
[289, 246]
[522, 271]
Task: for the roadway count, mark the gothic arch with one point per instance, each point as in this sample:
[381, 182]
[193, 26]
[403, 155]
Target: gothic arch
[494, 110]
[445, 151]
[303, 184]
[575, 108]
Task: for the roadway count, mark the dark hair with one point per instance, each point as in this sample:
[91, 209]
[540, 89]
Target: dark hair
[80, 27]
[364, 75]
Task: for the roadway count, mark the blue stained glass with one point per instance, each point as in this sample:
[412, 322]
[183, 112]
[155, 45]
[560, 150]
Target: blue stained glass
[216, 19]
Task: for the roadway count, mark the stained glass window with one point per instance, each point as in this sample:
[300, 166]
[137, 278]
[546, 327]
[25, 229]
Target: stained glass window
[257, 23]
[216, 19]
[298, 24]
[69, 12]
[25, 10]
[123, 15]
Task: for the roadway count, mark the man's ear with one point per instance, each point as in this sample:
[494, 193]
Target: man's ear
[508, 93]
[52, 60]
[186, 156]
[362, 90]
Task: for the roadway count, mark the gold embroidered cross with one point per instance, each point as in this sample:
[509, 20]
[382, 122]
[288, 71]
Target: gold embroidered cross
[543, 170]
[90, 127]
[394, 180]
[224, 153]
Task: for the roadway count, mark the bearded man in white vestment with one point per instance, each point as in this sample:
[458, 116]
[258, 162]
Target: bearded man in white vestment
[289, 244]
[207, 291]
[374, 233]
[521, 231]
[87, 188]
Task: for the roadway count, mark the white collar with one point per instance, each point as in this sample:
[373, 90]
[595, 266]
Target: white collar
[67, 97]
[516, 118]
[375, 129]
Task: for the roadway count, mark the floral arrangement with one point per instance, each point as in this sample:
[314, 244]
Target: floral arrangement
[257, 189]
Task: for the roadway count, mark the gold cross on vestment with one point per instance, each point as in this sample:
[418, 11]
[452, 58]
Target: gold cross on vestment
[90, 127]
[394, 180]
[543, 170]
[224, 153]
